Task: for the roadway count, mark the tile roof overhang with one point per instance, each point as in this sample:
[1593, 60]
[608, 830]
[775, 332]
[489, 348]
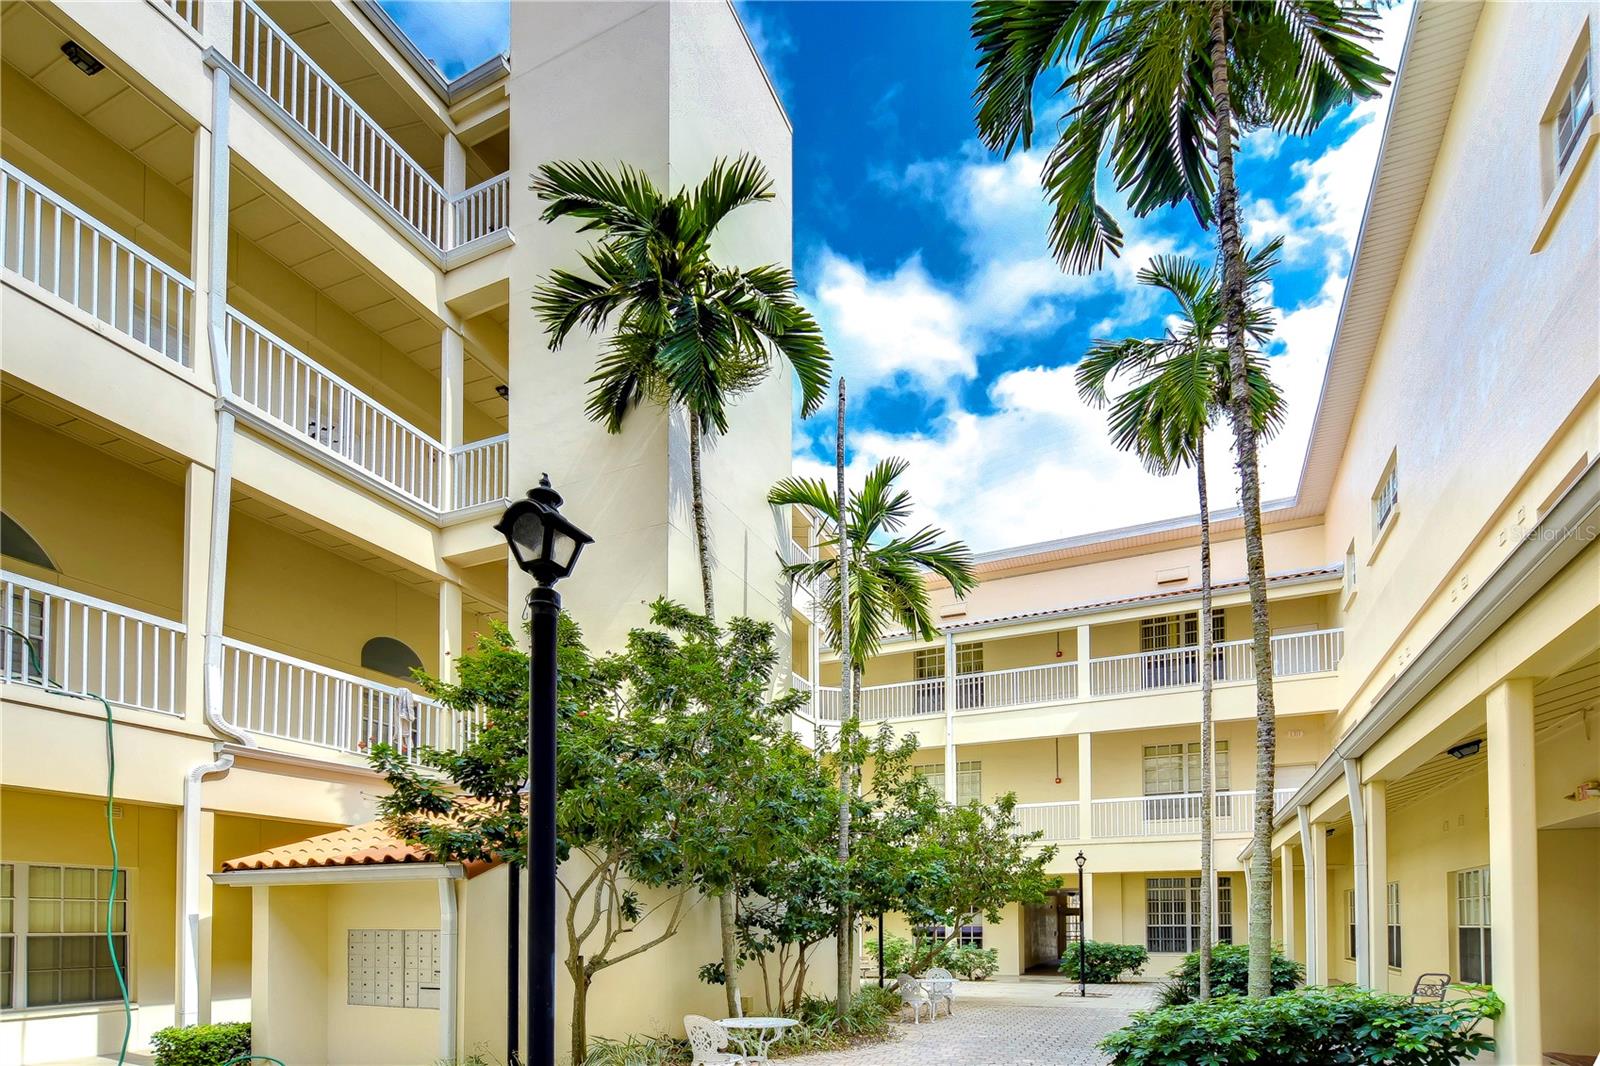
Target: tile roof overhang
[370, 848]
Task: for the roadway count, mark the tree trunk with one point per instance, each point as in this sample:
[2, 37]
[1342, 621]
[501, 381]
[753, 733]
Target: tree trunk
[846, 960]
[1244, 435]
[580, 1015]
[726, 910]
[1208, 870]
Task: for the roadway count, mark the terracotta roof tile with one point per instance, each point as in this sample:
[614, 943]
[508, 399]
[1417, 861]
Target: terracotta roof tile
[368, 844]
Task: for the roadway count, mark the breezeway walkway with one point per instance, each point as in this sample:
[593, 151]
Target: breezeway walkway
[1004, 1022]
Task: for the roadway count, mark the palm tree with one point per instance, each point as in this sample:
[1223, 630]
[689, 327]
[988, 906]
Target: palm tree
[868, 581]
[685, 331]
[1180, 385]
[1160, 90]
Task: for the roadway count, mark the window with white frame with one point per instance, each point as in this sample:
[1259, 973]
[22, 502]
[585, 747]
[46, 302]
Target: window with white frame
[969, 779]
[1386, 497]
[1573, 112]
[53, 942]
[24, 638]
[968, 936]
[1177, 630]
[1350, 570]
[927, 663]
[1350, 923]
[1474, 949]
[1172, 913]
[1393, 905]
[1174, 769]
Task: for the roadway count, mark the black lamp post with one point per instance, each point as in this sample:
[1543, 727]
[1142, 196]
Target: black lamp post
[1083, 914]
[546, 547]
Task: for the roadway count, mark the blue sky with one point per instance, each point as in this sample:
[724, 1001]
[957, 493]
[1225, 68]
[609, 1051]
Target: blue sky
[924, 257]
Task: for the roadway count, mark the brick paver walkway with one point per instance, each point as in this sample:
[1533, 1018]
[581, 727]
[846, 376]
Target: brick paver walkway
[1003, 1023]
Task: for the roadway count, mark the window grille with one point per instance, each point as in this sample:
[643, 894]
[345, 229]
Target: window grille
[1473, 943]
[1172, 913]
[1173, 769]
[53, 949]
[1577, 107]
[1393, 907]
[1386, 499]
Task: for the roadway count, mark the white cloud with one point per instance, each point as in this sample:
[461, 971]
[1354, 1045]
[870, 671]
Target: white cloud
[1036, 464]
[456, 35]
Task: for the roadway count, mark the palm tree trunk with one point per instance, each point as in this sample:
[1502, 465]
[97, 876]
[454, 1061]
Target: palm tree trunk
[1244, 435]
[846, 930]
[726, 909]
[1208, 872]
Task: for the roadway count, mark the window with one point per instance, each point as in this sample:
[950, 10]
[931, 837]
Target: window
[1177, 630]
[1573, 113]
[53, 948]
[1174, 769]
[24, 657]
[1473, 944]
[1386, 498]
[1350, 923]
[1350, 569]
[1172, 913]
[969, 670]
[927, 663]
[1394, 923]
[969, 658]
[969, 936]
[969, 780]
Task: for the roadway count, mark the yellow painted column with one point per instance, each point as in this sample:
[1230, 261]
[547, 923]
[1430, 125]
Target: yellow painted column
[450, 632]
[200, 260]
[1514, 868]
[1287, 908]
[1085, 786]
[198, 484]
[1377, 933]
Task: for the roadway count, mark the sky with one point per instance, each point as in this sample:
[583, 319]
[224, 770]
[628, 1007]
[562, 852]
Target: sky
[924, 257]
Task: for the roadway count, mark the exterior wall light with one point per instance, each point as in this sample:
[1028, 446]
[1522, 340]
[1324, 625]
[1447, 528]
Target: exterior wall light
[80, 58]
[1464, 750]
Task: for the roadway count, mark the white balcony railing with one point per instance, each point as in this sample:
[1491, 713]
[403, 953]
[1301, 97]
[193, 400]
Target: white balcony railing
[794, 552]
[187, 10]
[84, 645]
[1057, 821]
[1174, 815]
[1293, 654]
[76, 258]
[329, 414]
[1022, 687]
[481, 210]
[480, 472]
[275, 695]
[313, 101]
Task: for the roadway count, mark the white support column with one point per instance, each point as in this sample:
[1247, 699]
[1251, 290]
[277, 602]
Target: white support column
[1083, 662]
[1085, 787]
[1376, 803]
[1287, 909]
[452, 409]
[455, 182]
[1361, 885]
[450, 630]
[949, 717]
[1313, 845]
[1514, 868]
[1086, 906]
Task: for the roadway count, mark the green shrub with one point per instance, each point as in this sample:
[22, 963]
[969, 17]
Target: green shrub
[897, 952]
[201, 1045]
[975, 964]
[638, 1051]
[1104, 963]
[1334, 1026]
[1230, 974]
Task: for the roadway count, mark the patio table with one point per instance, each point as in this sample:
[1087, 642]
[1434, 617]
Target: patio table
[760, 1032]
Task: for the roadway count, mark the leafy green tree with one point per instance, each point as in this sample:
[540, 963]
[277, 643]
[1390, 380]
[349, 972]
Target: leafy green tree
[1177, 386]
[645, 736]
[1160, 90]
[974, 860]
[684, 330]
[867, 579]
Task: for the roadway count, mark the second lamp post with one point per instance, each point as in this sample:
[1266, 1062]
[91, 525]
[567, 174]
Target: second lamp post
[546, 547]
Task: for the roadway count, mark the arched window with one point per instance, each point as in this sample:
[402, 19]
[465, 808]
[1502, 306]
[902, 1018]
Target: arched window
[19, 544]
[389, 656]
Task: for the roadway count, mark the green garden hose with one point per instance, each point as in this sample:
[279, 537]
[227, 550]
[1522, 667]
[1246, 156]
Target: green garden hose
[111, 832]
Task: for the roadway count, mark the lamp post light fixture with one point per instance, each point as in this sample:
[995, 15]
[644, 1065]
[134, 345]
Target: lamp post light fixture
[1083, 914]
[546, 547]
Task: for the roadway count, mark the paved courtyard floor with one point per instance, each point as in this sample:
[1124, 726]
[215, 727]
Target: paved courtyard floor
[1004, 1022]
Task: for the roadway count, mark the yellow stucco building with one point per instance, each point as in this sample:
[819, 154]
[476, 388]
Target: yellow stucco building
[270, 373]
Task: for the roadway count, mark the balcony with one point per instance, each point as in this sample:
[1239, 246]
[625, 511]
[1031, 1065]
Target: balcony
[67, 642]
[1294, 655]
[274, 695]
[59, 248]
[1143, 817]
[310, 104]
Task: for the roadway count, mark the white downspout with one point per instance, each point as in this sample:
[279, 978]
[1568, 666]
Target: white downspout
[188, 1011]
[448, 964]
